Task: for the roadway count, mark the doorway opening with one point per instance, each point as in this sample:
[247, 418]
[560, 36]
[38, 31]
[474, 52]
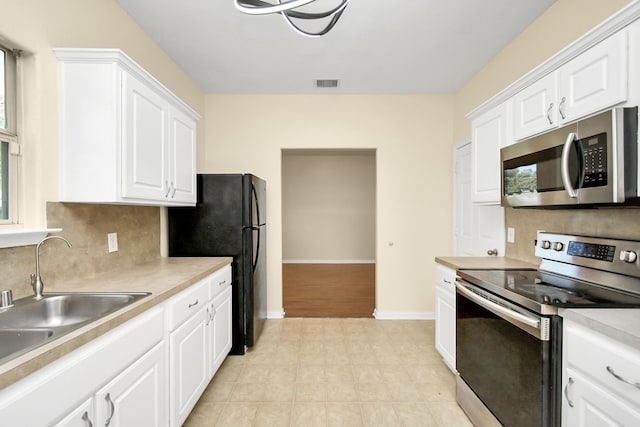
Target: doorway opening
[328, 232]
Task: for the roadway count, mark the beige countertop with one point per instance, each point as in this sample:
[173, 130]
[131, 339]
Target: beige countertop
[163, 278]
[619, 324]
[483, 263]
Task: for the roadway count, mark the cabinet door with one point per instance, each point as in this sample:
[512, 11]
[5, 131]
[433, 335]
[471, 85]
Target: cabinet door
[138, 396]
[595, 80]
[189, 345]
[535, 109]
[182, 157]
[82, 416]
[446, 326]
[221, 330]
[145, 142]
[586, 403]
[489, 134]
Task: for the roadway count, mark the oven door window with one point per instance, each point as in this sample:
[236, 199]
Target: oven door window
[506, 367]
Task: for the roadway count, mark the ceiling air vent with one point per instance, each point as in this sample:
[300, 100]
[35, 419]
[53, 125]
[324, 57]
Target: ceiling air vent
[326, 83]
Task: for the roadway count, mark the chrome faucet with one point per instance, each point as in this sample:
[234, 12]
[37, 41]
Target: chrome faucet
[36, 280]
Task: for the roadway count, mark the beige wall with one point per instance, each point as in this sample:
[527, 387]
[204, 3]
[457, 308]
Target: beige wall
[37, 26]
[412, 138]
[328, 204]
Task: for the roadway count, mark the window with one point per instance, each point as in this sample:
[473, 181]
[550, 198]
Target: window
[9, 148]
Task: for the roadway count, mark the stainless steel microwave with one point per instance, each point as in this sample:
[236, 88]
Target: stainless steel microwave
[593, 161]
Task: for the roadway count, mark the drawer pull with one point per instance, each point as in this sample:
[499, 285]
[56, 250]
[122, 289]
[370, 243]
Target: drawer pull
[566, 391]
[222, 283]
[86, 419]
[619, 378]
[112, 409]
[193, 304]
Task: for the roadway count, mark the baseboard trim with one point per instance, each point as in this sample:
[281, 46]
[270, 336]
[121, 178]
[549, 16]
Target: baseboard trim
[328, 261]
[404, 315]
[278, 314]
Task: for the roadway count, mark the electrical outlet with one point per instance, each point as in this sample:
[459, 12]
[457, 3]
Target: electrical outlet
[511, 235]
[112, 239]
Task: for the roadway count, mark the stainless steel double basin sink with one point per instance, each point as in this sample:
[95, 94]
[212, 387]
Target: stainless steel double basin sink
[31, 323]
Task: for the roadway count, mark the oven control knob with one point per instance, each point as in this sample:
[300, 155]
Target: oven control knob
[545, 244]
[557, 246]
[628, 256]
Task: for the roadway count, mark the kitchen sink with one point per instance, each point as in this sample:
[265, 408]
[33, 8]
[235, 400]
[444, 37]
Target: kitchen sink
[17, 341]
[31, 323]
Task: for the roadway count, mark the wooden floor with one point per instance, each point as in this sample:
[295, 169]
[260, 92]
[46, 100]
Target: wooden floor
[328, 290]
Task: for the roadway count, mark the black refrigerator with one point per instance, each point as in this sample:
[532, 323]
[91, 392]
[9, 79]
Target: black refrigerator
[229, 219]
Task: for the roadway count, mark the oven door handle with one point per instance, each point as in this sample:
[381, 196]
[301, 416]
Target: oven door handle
[497, 308]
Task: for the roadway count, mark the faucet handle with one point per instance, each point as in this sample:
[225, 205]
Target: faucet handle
[6, 298]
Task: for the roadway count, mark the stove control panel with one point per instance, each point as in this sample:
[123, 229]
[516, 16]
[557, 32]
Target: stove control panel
[612, 255]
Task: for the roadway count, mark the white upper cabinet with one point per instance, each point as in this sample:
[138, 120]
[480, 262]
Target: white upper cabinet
[591, 82]
[535, 108]
[124, 137]
[490, 132]
[594, 80]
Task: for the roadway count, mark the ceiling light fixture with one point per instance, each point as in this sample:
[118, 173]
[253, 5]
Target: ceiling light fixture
[288, 12]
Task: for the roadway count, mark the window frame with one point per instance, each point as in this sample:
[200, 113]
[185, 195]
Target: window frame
[10, 134]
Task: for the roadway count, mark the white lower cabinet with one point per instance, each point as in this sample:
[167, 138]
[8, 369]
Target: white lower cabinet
[600, 379]
[134, 397]
[188, 372]
[220, 331]
[200, 339]
[149, 371]
[65, 392]
[82, 416]
[137, 396]
[446, 315]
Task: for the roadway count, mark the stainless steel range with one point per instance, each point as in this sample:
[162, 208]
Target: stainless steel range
[509, 334]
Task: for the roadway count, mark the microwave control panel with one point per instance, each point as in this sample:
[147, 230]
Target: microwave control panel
[594, 158]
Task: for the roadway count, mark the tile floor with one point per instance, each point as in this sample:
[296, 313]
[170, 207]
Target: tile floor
[334, 372]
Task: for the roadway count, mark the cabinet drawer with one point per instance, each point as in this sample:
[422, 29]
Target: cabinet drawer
[220, 280]
[445, 276]
[600, 357]
[187, 303]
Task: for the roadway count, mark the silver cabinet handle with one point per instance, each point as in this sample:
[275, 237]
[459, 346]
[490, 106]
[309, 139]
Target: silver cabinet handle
[222, 283]
[566, 391]
[549, 113]
[619, 378]
[209, 317]
[492, 252]
[561, 107]
[193, 304]
[86, 419]
[112, 409]
[173, 190]
[166, 196]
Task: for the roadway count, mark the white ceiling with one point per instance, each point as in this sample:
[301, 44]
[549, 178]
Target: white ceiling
[377, 47]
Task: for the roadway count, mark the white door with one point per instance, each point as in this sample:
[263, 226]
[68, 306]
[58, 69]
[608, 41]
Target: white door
[221, 333]
[477, 228]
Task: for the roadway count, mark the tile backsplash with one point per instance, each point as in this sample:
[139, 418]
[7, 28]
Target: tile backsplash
[619, 223]
[86, 226]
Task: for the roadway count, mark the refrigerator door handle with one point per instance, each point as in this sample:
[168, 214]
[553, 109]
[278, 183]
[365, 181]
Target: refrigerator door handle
[255, 260]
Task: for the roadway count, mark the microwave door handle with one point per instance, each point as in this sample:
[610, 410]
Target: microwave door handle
[566, 151]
